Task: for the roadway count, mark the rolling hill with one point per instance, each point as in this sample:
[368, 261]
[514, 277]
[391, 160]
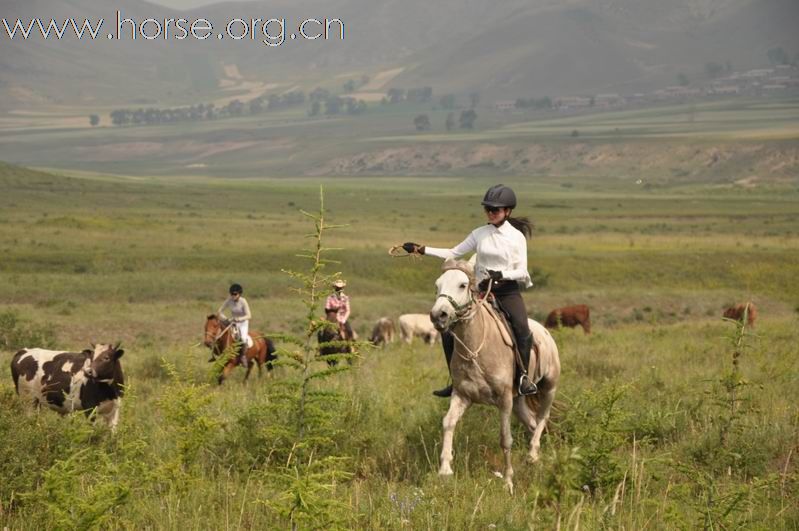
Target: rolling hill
[514, 48]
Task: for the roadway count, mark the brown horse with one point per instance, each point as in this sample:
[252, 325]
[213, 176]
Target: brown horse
[333, 334]
[219, 338]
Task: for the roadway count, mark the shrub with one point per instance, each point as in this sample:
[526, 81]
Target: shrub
[594, 423]
[16, 333]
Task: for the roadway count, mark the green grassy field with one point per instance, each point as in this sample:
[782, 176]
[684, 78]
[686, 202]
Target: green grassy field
[641, 436]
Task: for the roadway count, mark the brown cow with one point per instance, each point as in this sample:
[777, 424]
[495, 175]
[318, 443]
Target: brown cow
[737, 311]
[570, 316]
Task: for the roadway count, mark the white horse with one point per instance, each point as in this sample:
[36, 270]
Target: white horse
[483, 364]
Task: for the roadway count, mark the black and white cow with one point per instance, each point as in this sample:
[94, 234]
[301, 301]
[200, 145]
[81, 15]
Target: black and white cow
[68, 381]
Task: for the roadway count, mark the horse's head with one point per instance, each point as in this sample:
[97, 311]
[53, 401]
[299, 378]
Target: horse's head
[213, 325]
[454, 294]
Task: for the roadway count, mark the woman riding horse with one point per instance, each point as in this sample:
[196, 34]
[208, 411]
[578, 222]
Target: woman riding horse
[240, 311]
[501, 247]
[219, 338]
[337, 310]
[339, 303]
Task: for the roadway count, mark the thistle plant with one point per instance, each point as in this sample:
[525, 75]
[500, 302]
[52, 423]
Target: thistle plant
[308, 411]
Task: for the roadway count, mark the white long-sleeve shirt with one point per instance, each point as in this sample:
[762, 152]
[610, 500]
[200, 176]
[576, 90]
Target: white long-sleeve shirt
[502, 248]
[239, 309]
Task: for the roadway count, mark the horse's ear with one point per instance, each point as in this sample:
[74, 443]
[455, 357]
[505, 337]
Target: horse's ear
[473, 260]
[469, 266]
[210, 316]
[449, 263]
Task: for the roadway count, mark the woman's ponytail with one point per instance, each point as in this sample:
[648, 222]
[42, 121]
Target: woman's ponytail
[522, 224]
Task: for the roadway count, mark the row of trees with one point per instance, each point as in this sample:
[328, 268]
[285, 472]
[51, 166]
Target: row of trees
[334, 105]
[466, 120]
[778, 56]
[203, 111]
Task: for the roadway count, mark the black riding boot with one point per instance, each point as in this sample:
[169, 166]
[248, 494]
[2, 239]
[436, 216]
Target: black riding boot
[243, 354]
[526, 386]
[449, 346]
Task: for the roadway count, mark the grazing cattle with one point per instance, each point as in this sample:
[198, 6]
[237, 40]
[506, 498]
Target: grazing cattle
[383, 332]
[737, 312]
[570, 316]
[68, 381]
[417, 324]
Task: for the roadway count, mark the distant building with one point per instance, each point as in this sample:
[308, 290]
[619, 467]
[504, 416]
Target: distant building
[607, 100]
[572, 102]
[505, 105]
[758, 72]
[724, 89]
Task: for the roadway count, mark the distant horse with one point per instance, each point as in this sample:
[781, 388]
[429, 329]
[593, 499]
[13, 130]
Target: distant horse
[219, 338]
[483, 364]
[332, 334]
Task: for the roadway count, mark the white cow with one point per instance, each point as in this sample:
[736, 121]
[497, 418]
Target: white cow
[417, 324]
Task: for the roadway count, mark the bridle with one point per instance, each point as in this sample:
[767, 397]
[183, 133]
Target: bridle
[218, 336]
[466, 312]
[461, 310]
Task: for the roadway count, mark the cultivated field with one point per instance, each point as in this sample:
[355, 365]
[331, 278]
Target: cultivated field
[726, 140]
[653, 428]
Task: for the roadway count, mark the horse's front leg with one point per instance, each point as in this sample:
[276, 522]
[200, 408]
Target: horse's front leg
[506, 440]
[226, 371]
[457, 407]
[250, 363]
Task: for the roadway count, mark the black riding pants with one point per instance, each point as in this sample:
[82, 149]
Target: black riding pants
[510, 300]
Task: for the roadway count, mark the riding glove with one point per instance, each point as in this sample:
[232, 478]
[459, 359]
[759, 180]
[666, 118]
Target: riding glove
[494, 275]
[411, 248]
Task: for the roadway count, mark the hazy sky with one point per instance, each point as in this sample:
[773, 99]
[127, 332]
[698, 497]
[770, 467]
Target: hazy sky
[183, 4]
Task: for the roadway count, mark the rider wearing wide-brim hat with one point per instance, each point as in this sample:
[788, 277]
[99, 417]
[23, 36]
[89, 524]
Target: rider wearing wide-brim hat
[501, 247]
[240, 312]
[339, 302]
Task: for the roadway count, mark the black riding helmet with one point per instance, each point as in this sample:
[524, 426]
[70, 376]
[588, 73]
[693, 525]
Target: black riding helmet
[499, 196]
[236, 288]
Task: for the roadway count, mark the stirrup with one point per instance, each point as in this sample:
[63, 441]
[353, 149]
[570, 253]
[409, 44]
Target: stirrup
[530, 389]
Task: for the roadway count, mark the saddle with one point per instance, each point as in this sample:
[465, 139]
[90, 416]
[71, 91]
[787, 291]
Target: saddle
[508, 337]
[237, 337]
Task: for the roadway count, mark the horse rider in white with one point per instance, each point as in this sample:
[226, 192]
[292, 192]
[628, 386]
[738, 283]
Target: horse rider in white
[240, 320]
[501, 247]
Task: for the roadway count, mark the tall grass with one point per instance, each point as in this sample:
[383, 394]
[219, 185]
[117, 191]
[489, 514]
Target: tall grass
[658, 423]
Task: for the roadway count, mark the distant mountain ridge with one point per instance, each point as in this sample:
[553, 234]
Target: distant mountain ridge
[508, 49]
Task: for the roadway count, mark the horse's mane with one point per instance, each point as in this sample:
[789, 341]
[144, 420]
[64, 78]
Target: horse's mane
[464, 267]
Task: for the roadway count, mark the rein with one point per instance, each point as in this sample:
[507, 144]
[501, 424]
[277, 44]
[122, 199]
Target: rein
[218, 336]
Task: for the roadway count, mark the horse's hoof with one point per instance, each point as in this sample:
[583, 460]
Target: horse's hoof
[445, 471]
[532, 459]
[509, 485]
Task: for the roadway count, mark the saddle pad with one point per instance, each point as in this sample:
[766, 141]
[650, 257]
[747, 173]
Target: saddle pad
[503, 325]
